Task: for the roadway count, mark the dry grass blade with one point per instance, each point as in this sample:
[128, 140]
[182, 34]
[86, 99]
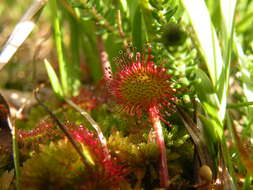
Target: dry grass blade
[197, 137]
[244, 155]
[223, 180]
[21, 31]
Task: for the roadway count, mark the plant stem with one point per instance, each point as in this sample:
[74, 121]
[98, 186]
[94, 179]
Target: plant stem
[63, 67]
[120, 30]
[233, 106]
[15, 154]
[154, 117]
[103, 56]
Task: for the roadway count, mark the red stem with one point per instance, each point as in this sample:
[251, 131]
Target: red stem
[106, 67]
[154, 117]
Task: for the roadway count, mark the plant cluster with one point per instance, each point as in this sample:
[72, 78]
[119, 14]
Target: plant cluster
[149, 94]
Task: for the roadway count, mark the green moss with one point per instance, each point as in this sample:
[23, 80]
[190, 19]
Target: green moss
[55, 167]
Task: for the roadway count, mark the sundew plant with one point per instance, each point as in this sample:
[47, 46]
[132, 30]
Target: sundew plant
[126, 95]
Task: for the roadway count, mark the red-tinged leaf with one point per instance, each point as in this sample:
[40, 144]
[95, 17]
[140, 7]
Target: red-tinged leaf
[5, 126]
[244, 155]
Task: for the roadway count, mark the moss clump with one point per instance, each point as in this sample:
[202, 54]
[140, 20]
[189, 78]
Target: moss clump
[54, 167]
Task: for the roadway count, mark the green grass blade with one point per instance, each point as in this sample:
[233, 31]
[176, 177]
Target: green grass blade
[16, 156]
[53, 79]
[137, 29]
[89, 47]
[206, 36]
[247, 182]
[63, 66]
[213, 133]
[227, 14]
[75, 55]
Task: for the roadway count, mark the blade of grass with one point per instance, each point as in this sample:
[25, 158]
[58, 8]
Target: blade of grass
[197, 137]
[206, 37]
[247, 183]
[235, 106]
[227, 15]
[8, 131]
[75, 55]
[137, 28]
[15, 155]
[208, 45]
[63, 66]
[21, 31]
[53, 79]
[89, 46]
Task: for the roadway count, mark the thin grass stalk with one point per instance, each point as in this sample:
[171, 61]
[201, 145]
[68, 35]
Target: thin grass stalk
[227, 8]
[59, 48]
[75, 55]
[15, 155]
[15, 146]
[227, 13]
[239, 105]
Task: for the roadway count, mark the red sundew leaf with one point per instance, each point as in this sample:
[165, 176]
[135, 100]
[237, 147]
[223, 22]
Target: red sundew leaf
[112, 171]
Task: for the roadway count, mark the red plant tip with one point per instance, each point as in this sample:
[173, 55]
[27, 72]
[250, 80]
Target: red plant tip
[113, 171]
[140, 85]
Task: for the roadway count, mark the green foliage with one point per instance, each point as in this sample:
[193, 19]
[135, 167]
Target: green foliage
[136, 154]
[142, 158]
[53, 79]
[205, 45]
[212, 88]
[117, 121]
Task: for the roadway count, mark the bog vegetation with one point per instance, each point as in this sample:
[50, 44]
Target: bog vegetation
[126, 94]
